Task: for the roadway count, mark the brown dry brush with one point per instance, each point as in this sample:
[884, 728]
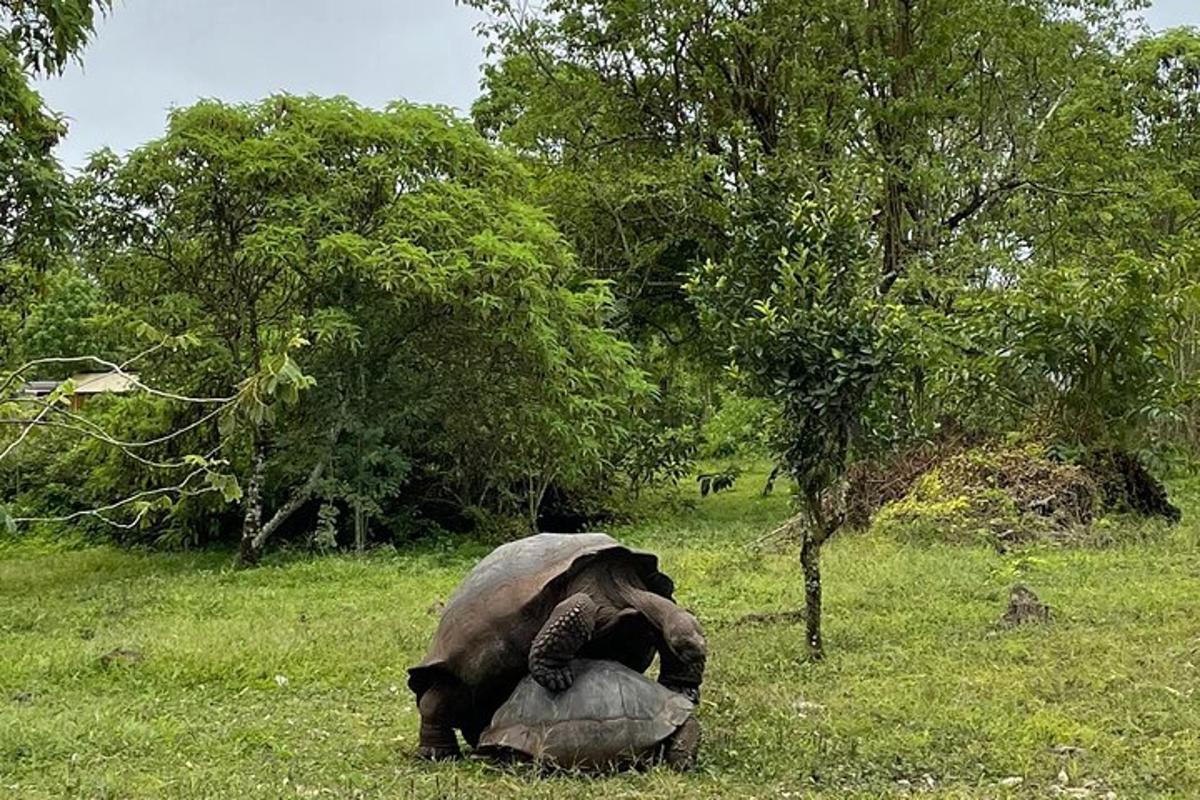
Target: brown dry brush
[872, 484]
[1063, 493]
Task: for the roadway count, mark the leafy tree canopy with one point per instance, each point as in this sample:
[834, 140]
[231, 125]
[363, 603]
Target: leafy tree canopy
[450, 348]
[37, 38]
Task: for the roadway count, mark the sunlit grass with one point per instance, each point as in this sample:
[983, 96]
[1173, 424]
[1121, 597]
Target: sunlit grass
[288, 680]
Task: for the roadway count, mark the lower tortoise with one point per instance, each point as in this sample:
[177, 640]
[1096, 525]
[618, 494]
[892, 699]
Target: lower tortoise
[611, 717]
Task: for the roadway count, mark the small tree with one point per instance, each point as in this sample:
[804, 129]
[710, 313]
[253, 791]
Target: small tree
[807, 329]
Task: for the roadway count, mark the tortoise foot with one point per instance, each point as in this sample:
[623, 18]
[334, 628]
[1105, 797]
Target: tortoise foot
[689, 691]
[568, 629]
[556, 679]
[431, 753]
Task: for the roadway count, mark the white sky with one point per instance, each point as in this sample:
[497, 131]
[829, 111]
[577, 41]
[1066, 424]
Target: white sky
[151, 55]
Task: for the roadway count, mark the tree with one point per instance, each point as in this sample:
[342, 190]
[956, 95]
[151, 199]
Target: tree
[808, 330]
[654, 123]
[448, 345]
[91, 447]
[1083, 321]
[36, 39]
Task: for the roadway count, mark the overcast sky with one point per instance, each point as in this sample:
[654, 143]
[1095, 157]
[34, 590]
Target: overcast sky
[150, 55]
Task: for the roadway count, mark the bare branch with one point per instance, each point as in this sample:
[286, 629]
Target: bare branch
[116, 369]
[180, 489]
[107, 439]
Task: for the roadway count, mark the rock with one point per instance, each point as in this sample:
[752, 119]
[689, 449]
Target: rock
[1024, 606]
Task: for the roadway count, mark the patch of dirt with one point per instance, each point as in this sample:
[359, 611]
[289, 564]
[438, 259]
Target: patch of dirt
[771, 618]
[121, 656]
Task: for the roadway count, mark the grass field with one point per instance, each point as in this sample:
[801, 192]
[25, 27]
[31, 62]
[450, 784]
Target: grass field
[288, 680]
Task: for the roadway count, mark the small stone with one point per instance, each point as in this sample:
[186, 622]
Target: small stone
[1024, 606]
[1066, 750]
[1015, 780]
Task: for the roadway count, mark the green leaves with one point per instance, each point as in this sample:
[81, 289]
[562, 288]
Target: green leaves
[227, 485]
[807, 330]
[396, 314]
[37, 39]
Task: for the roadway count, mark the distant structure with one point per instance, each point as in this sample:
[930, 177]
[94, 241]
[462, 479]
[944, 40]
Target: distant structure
[87, 385]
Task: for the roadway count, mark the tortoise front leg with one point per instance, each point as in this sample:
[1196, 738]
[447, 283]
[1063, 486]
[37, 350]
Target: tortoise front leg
[568, 629]
[683, 650]
[681, 749]
[437, 741]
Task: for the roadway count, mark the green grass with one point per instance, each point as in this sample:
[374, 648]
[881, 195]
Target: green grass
[921, 692]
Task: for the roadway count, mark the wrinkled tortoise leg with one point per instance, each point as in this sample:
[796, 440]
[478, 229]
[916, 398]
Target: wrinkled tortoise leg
[680, 751]
[437, 739]
[683, 651]
[568, 629]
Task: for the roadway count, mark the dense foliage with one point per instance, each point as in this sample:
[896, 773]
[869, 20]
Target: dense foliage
[886, 209]
[380, 270]
[36, 39]
[679, 229]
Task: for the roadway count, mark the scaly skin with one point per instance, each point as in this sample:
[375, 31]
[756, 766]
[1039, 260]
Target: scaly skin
[567, 630]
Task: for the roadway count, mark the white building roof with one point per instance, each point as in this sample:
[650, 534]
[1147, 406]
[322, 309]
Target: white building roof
[99, 382]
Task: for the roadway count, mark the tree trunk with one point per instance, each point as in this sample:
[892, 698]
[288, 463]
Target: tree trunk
[821, 527]
[290, 507]
[248, 553]
[360, 528]
[810, 559]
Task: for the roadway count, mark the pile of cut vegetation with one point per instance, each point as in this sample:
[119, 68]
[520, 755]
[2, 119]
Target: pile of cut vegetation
[1003, 493]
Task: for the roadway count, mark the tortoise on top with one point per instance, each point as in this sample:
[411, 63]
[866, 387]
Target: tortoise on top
[610, 718]
[530, 607]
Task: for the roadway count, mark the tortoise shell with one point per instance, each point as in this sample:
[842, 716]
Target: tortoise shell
[611, 716]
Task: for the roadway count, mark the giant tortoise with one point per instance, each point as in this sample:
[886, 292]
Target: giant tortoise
[531, 606]
[611, 717]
